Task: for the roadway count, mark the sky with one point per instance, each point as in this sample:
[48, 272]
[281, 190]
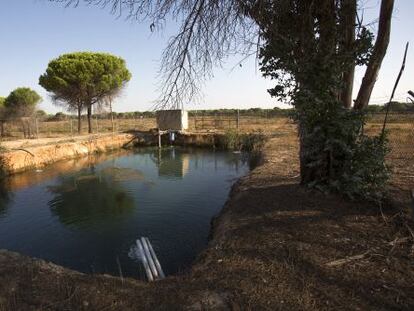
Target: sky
[32, 32]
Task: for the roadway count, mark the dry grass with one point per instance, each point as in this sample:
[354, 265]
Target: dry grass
[271, 248]
[66, 128]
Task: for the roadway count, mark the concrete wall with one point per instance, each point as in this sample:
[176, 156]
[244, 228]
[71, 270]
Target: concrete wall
[172, 120]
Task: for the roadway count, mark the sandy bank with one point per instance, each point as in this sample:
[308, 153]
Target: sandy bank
[23, 155]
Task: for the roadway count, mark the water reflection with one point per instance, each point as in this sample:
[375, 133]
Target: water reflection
[89, 211]
[30, 178]
[89, 198]
[171, 163]
[123, 174]
[5, 195]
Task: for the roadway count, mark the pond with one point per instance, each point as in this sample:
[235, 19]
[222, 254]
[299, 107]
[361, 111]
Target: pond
[86, 214]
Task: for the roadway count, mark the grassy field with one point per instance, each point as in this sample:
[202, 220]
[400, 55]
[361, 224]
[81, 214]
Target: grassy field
[13, 130]
[400, 127]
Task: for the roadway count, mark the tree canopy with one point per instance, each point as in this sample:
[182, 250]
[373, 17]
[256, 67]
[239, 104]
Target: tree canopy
[2, 108]
[82, 79]
[22, 102]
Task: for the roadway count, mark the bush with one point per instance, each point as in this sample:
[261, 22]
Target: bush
[250, 142]
[367, 174]
[340, 156]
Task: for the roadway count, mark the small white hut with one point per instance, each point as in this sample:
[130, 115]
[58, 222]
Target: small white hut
[172, 120]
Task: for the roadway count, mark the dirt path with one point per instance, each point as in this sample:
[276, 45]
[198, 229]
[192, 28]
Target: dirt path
[275, 246]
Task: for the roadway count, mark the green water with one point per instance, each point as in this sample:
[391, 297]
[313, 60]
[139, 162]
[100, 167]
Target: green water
[86, 214]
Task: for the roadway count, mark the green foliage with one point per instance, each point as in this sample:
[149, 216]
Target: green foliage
[366, 173]
[60, 116]
[336, 155]
[41, 114]
[250, 142]
[21, 102]
[339, 157]
[84, 78]
[2, 107]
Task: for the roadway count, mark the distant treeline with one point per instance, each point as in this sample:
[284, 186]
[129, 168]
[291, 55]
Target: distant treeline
[394, 106]
[258, 112]
[253, 112]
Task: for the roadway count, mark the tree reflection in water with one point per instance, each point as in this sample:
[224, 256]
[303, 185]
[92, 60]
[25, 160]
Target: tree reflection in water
[90, 198]
[5, 195]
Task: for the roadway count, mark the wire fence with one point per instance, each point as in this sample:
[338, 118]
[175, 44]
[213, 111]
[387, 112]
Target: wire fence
[32, 128]
[400, 127]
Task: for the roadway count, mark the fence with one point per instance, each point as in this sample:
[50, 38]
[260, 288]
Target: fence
[36, 128]
[224, 122]
[400, 126]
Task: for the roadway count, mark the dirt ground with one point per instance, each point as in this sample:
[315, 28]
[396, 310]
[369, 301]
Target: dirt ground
[274, 246]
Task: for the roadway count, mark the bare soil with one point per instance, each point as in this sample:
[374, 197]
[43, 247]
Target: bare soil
[274, 246]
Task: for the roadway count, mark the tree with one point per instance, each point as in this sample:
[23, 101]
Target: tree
[310, 48]
[41, 114]
[375, 61]
[2, 115]
[22, 102]
[80, 80]
[311, 53]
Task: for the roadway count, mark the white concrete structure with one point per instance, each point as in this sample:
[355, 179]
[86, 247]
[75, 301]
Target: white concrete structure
[176, 120]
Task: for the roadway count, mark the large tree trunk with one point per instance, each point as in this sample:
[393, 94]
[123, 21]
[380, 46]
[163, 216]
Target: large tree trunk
[380, 48]
[325, 15]
[79, 120]
[348, 19]
[89, 119]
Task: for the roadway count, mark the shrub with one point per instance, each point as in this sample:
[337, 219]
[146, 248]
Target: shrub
[250, 142]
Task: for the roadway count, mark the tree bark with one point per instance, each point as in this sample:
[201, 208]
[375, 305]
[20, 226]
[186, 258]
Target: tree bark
[326, 17]
[380, 48]
[348, 18]
[89, 119]
[79, 120]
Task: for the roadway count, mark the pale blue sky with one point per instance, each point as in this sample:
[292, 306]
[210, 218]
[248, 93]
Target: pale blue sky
[32, 32]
